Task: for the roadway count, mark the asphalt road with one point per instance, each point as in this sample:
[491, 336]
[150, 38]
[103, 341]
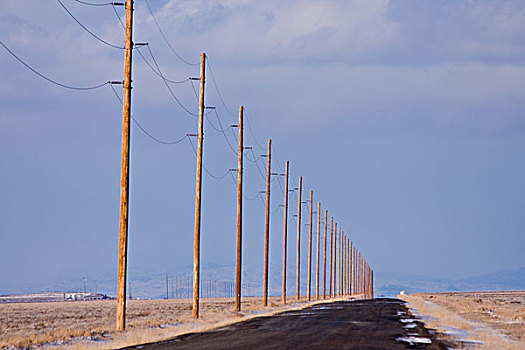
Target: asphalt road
[365, 324]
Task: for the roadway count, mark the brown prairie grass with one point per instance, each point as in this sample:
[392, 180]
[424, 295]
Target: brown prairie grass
[35, 324]
[495, 318]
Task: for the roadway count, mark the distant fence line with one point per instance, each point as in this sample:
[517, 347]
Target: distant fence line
[182, 288]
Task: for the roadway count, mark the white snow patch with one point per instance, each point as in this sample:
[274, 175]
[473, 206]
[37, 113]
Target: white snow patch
[414, 340]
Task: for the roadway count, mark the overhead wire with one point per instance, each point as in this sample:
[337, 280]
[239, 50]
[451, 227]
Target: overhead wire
[51, 80]
[166, 40]
[251, 199]
[144, 130]
[167, 85]
[194, 90]
[86, 28]
[159, 73]
[151, 53]
[95, 4]
[251, 132]
[118, 16]
[217, 89]
[205, 169]
[222, 130]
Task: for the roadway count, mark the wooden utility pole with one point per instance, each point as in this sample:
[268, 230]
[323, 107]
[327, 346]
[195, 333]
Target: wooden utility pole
[324, 254]
[285, 235]
[318, 246]
[335, 258]
[198, 191]
[344, 265]
[360, 274]
[239, 213]
[348, 266]
[351, 267]
[354, 271]
[267, 228]
[340, 261]
[368, 281]
[365, 281]
[298, 270]
[372, 282]
[310, 247]
[124, 173]
[167, 291]
[331, 249]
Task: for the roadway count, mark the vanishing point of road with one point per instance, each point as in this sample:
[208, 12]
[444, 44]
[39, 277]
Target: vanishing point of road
[363, 324]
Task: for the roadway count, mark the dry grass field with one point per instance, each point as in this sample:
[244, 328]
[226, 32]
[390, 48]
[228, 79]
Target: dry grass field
[90, 324]
[486, 320]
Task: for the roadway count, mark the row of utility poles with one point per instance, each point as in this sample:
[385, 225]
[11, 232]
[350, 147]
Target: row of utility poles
[347, 267]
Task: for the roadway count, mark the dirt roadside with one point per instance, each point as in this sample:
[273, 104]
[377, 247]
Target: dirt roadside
[91, 324]
[485, 320]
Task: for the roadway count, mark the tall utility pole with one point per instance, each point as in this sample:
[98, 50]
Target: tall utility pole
[372, 283]
[318, 246]
[167, 287]
[335, 258]
[310, 247]
[347, 262]
[367, 281]
[346, 266]
[343, 265]
[324, 254]
[342, 272]
[351, 267]
[299, 205]
[285, 235]
[356, 291]
[197, 240]
[331, 249]
[239, 213]
[267, 228]
[360, 274]
[124, 174]
[340, 261]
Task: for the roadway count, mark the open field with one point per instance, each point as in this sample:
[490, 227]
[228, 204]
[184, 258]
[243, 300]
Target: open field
[92, 323]
[497, 319]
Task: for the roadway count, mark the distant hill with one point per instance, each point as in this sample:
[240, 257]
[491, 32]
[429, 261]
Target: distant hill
[391, 283]
[152, 283]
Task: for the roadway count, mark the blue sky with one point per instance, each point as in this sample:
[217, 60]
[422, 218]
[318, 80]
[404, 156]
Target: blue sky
[405, 119]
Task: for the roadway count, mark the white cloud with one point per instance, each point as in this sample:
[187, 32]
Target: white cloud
[286, 31]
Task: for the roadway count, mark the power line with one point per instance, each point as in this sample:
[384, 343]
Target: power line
[157, 72]
[194, 91]
[118, 16]
[166, 40]
[156, 139]
[151, 53]
[208, 172]
[144, 130]
[167, 86]
[100, 4]
[217, 89]
[251, 199]
[51, 80]
[87, 30]
[223, 131]
[253, 135]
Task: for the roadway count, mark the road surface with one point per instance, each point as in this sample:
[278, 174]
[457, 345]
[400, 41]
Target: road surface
[364, 324]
